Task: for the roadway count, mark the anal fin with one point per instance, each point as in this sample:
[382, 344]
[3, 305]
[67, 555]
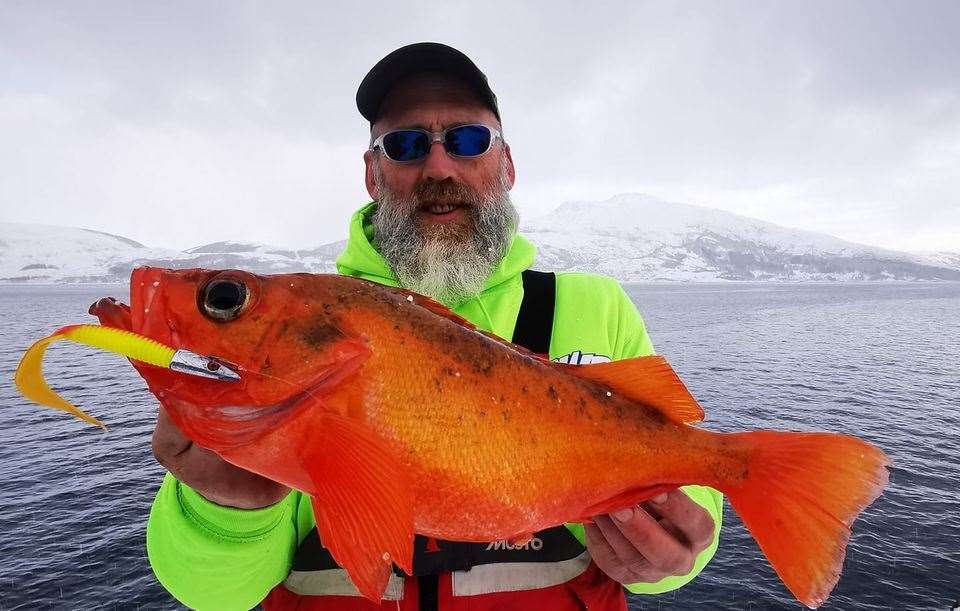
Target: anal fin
[627, 498]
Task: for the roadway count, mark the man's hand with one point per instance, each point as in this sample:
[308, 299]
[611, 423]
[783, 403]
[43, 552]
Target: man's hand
[210, 475]
[659, 538]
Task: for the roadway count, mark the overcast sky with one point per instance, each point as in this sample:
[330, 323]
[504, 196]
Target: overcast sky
[181, 123]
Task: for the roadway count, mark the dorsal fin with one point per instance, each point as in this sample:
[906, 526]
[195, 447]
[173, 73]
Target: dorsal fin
[434, 306]
[649, 380]
[441, 310]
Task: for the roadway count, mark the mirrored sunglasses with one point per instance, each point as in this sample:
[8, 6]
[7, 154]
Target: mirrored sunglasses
[408, 145]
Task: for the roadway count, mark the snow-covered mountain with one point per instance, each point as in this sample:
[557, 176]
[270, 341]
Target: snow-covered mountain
[943, 259]
[637, 237]
[48, 253]
[258, 258]
[631, 237]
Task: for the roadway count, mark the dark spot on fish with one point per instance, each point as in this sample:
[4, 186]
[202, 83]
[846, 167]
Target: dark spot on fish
[341, 299]
[321, 334]
[552, 393]
[620, 411]
[656, 416]
[396, 327]
[266, 363]
[436, 383]
[503, 399]
[482, 366]
[582, 408]
[506, 415]
[448, 371]
[482, 413]
[524, 389]
[599, 393]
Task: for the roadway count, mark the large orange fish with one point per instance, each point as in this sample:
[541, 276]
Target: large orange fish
[398, 417]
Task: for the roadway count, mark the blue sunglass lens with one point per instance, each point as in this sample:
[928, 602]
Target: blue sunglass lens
[411, 145]
[468, 140]
[406, 145]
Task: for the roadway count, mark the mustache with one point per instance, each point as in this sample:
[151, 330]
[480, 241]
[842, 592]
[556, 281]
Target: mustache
[446, 191]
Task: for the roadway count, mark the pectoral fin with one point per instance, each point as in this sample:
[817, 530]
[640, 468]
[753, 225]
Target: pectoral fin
[362, 503]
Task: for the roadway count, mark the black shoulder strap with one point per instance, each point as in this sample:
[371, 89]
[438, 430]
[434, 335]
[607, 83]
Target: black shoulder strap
[535, 320]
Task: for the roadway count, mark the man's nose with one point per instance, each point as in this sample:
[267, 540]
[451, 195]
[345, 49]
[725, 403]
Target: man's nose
[438, 165]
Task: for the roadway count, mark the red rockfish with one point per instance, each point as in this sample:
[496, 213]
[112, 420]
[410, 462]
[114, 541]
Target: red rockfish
[398, 417]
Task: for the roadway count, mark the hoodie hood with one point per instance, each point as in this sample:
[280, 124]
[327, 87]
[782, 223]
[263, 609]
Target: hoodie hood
[361, 259]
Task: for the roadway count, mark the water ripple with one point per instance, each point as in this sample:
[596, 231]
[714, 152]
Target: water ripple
[879, 361]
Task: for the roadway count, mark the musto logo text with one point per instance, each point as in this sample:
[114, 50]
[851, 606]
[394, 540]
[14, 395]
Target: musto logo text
[535, 544]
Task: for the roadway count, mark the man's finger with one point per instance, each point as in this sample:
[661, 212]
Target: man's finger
[645, 534]
[626, 554]
[600, 549]
[687, 517]
[606, 558]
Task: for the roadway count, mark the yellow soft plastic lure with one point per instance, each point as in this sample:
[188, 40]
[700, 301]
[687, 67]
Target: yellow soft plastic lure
[31, 383]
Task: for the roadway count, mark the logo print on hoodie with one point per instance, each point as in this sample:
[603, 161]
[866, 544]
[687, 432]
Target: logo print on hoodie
[582, 358]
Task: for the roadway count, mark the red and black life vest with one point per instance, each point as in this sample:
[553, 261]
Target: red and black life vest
[551, 571]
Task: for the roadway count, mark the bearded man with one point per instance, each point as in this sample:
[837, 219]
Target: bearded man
[441, 223]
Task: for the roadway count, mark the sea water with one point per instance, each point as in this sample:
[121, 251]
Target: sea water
[881, 361]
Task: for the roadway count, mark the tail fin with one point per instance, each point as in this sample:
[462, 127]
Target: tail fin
[801, 493]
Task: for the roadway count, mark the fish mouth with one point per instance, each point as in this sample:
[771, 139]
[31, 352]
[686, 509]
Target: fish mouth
[112, 313]
[144, 284]
[144, 288]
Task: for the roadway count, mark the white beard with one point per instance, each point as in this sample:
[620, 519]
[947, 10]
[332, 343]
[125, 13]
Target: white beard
[450, 264]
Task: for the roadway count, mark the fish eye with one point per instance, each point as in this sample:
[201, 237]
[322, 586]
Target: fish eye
[223, 299]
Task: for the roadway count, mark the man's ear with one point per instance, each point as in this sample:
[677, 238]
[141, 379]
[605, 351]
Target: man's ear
[370, 177]
[511, 172]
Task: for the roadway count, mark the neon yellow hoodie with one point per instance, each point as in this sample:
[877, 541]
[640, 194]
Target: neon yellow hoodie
[214, 557]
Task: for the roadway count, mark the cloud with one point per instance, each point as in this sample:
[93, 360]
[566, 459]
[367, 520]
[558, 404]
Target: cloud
[181, 123]
[174, 184]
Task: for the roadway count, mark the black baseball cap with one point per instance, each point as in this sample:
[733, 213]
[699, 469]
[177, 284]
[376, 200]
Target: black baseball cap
[414, 59]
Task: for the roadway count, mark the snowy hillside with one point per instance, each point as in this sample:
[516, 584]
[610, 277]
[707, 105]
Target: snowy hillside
[636, 237]
[48, 253]
[630, 237]
[943, 259]
[258, 258]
